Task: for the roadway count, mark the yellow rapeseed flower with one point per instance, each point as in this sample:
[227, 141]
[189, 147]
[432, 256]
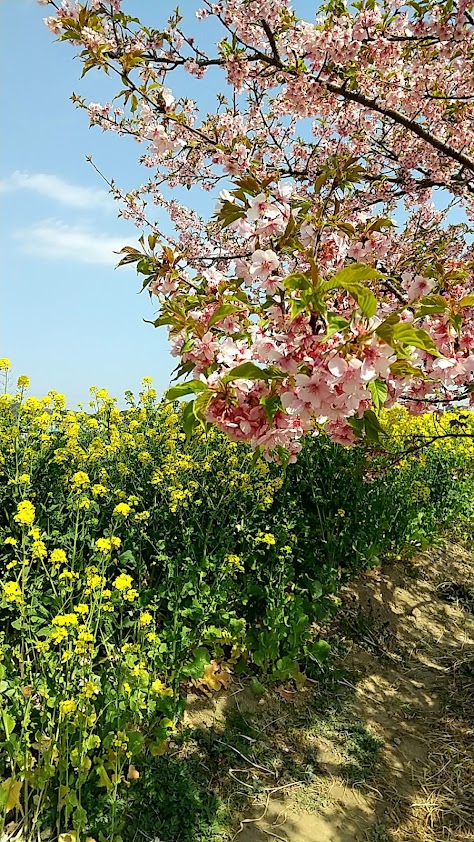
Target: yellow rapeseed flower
[98, 490]
[12, 592]
[145, 619]
[90, 690]
[142, 517]
[5, 364]
[24, 479]
[59, 634]
[68, 574]
[159, 688]
[38, 550]
[106, 545]
[122, 510]
[64, 620]
[123, 582]
[80, 479]
[235, 561]
[266, 538]
[58, 557]
[67, 706]
[23, 382]
[25, 513]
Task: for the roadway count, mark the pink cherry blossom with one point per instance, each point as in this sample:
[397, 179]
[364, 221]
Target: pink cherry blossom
[340, 155]
[263, 264]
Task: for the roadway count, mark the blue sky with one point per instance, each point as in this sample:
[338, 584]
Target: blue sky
[68, 319]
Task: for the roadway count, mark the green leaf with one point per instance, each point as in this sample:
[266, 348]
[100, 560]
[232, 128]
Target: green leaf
[201, 404]
[380, 224]
[257, 688]
[349, 279]
[283, 455]
[364, 297]
[357, 425]
[8, 723]
[229, 213]
[135, 742]
[145, 266]
[104, 779]
[10, 794]
[353, 274]
[316, 589]
[431, 304]
[79, 818]
[416, 337]
[336, 324]
[161, 321]
[372, 426]
[195, 668]
[182, 389]
[296, 281]
[402, 368]
[456, 322]
[467, 301]
[188, 345]
[321, 181]
[320, 650]
[271, 404]
[246, 371]
[379, 391]
[385, 329]
[221, 312]
[257, 455]
[297, 306]
[189, 420]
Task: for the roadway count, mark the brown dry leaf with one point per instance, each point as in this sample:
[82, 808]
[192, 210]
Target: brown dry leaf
[287, 695]
[217, 676]
[133, 774]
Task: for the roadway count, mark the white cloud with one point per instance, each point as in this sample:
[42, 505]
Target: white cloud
[54, 187]
[55, 240]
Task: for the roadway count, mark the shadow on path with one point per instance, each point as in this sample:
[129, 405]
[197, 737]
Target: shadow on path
[384, 752]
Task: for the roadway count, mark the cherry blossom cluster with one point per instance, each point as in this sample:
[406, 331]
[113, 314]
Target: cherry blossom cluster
[335, 275]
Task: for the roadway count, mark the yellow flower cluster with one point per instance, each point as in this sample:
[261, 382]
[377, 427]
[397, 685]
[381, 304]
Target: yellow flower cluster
[122, 510]
[106, 545]
[266, 538]
[25, 513]
[234, 561]
[453, 431]
[12, 592]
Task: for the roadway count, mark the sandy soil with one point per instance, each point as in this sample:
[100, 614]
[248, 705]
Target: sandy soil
[408, 639]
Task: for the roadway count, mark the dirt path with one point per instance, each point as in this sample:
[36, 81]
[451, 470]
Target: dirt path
[387, 755]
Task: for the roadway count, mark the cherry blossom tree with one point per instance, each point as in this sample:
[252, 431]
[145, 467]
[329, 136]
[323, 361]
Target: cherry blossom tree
[336, 273]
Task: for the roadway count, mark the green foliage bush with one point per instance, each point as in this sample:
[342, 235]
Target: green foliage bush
[134, 562]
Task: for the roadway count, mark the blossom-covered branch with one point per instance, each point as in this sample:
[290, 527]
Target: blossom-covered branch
[336, 273]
